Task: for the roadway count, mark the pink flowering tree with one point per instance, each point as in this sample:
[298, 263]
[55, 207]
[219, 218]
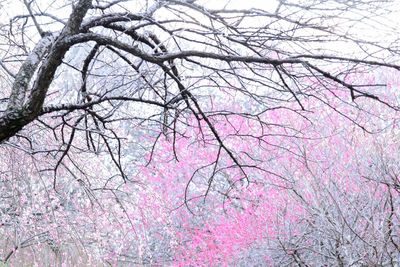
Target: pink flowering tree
[187, 133]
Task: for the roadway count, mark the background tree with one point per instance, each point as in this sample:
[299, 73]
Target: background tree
[118, 113]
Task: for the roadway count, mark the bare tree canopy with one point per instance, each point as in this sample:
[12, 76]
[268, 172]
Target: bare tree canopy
[239, 50]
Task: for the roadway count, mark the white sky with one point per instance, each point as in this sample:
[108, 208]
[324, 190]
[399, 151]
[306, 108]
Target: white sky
[268, 5]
